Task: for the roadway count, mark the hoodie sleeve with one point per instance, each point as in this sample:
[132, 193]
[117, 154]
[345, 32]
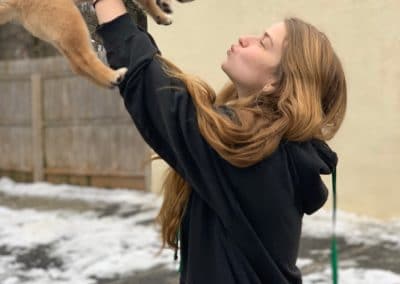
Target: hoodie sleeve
[160, 106]
[311, 159]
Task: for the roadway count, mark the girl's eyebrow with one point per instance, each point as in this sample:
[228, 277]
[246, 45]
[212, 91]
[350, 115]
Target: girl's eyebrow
[266, 34]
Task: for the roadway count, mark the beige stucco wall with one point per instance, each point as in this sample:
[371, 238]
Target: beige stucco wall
[365, 34]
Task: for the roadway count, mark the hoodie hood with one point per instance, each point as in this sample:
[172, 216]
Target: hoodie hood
[313, 159]
[328, 157]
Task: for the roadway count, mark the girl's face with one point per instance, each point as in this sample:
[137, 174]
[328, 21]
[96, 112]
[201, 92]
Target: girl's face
[251, 62]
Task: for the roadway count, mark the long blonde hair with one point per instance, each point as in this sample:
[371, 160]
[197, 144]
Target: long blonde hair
[309, 101]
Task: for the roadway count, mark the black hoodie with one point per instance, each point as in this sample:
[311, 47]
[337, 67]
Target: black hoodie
[241, 225]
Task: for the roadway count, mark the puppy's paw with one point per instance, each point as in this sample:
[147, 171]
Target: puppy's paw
[163, 20]
[119, 76]
[184, 1]
[165, 6]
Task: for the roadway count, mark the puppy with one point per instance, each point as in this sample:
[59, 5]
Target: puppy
[60, 23]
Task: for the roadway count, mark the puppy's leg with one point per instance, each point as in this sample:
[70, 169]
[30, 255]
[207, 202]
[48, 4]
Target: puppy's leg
[151, 7]
[68, 32]
[76, 47]
[85, 62]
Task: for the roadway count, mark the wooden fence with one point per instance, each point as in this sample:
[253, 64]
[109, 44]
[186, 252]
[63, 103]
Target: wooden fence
[58, 127]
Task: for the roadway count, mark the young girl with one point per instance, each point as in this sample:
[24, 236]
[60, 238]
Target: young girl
[245, 164]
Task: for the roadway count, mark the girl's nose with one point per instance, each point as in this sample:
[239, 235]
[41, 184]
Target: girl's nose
[245, 41]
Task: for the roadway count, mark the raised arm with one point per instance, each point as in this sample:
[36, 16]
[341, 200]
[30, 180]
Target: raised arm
[146, 91]
[160, 106]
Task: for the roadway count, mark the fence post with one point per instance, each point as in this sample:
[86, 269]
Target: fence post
[37, 128]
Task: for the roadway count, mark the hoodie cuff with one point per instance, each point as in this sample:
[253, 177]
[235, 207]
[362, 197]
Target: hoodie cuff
[115, 32]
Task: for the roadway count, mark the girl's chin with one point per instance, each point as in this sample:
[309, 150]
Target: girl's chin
[226, 71]
[224, 65]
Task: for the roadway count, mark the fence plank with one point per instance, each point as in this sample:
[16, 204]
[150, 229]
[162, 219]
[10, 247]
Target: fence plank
[37, 127]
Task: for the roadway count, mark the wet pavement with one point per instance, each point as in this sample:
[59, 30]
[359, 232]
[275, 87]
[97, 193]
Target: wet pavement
[361, 256]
